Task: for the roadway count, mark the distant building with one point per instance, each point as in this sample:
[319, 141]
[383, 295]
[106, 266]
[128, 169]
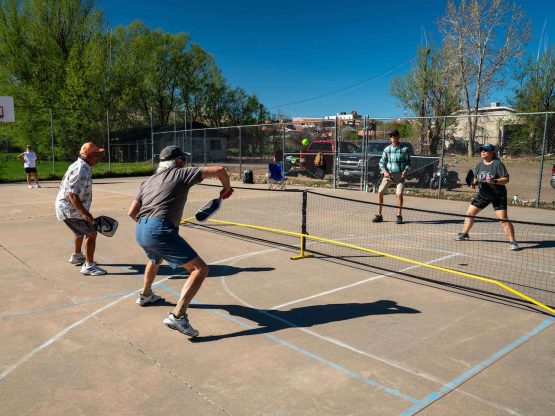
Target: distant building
[491, 126]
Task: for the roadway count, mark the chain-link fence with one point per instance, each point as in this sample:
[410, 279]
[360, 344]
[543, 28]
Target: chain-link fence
[340, 151]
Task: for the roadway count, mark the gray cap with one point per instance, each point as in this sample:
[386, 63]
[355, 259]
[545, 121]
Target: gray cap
[171, 153]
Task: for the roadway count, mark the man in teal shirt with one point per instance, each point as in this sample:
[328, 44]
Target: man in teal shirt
[394, 164]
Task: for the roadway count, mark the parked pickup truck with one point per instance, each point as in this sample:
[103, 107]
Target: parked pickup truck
[307, 161]
[350, 166]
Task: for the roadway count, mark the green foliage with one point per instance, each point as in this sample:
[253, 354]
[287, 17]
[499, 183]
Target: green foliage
[57, 55]
[536, 84]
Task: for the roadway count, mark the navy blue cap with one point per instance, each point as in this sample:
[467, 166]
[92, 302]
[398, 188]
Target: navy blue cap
[487, 147]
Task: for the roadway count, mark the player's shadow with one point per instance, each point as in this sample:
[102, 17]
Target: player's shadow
[302, 317]
[222, 270]
[216, 270]
[526, 245]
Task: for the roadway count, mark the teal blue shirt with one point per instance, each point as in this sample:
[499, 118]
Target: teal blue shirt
[395, 159]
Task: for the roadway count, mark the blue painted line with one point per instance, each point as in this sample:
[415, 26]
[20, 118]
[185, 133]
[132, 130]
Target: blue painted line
[335, 366]
[457, 381]
[67, 305]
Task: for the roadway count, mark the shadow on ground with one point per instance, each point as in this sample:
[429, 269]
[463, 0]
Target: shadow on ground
[303, 317]
[216, 270]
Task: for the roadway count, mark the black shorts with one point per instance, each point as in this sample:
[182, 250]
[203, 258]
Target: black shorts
[30, 170]
[80, 227]
[499, 203]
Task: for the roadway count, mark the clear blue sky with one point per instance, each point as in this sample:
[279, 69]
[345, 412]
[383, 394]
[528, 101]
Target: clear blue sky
[293, 51]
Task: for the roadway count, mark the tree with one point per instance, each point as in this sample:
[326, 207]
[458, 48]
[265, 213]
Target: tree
[535, 93]
[428, 90]
[481, 37]
[39, 39]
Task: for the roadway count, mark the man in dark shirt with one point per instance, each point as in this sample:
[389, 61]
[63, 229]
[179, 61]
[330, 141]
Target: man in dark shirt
[158, 209]
[491, 178]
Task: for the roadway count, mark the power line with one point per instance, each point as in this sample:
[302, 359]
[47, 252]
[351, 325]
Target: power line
[348, 87]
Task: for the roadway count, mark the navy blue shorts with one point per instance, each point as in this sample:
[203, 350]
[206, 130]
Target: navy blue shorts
[161, 240]
[30, 170]
[499, 203]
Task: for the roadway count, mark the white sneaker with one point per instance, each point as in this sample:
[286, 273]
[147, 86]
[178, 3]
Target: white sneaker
[30, 186]
[38, 186]
[77, 258]
[92, 269]
[180, 324]
[143, 300]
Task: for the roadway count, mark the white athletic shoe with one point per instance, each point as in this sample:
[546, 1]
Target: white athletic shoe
[38, 186]
[92, 269]
[180, 324]
[77, 258]
[30, 186]
[143, 300]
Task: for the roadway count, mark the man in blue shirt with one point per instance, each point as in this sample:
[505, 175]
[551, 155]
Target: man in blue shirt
[394, 164]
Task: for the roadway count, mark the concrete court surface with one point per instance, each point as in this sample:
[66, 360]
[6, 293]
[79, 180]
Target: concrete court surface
[278, 337]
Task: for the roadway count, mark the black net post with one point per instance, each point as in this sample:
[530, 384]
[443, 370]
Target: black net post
[304, 233]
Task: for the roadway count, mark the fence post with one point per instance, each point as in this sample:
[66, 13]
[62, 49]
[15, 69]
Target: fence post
[204, 146]
[302, 254]
[440, 167]
[364, 173]
[336, 140]
[544, 144]
[52, 141]
[151, 138]
[175, 129]
[108, 138]
[282, 145]
[240, 152]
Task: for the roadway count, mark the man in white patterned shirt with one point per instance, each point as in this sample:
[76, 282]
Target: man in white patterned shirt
[72, 207]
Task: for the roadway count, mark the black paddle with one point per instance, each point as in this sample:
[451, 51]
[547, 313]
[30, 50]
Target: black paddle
[208, 209]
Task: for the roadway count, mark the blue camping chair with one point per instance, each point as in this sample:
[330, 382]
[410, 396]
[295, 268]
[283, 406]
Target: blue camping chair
[276, 180]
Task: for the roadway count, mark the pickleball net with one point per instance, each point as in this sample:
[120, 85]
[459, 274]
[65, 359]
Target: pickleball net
[422, 248]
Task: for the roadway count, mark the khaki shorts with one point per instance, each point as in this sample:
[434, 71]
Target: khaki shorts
[395, 179]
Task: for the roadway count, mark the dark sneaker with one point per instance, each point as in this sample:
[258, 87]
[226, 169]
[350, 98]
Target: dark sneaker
[377, 218]
[180, 324]
[143, 300]
[514, 246]
[462, 237]
[399, 219]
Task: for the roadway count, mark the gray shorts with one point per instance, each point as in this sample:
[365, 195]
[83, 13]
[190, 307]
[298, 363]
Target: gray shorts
[79, 226]
[395, 179]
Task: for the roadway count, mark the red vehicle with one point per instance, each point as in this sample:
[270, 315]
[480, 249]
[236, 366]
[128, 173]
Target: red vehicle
[317, 159]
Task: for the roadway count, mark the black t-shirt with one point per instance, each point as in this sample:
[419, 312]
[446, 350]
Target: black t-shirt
[495, 170]
[164, 194]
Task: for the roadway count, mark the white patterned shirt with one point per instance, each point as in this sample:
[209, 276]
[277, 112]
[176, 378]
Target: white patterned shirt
[77, 180]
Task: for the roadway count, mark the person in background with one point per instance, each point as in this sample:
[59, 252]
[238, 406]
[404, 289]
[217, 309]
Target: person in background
[490, 177]
[157, 210]
[29, 158]
[73, 204]
[394, 164]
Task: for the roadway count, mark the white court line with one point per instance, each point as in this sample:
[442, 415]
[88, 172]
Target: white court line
[392, 363]
[63, 332]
